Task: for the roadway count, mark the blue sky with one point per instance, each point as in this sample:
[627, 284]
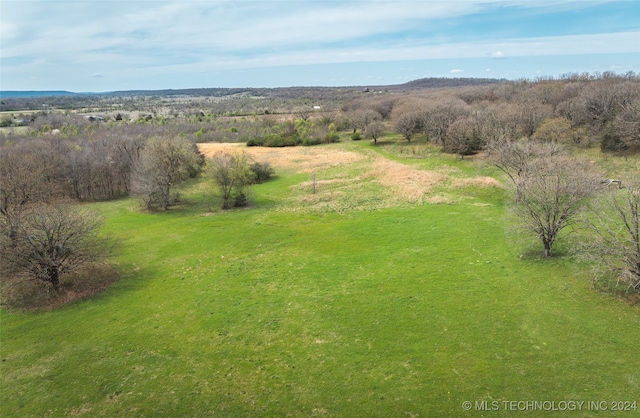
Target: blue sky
[107, 45]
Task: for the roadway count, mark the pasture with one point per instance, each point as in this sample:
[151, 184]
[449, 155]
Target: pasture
[361, 282]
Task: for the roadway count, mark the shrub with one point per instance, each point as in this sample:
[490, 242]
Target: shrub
[279, 141]
[239, 199]
[256, 142]
[310, 141]
[356, 136]
[262, 171]
[612, 143]
[332, 134]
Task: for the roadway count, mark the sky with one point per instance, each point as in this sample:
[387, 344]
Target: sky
[111, 45]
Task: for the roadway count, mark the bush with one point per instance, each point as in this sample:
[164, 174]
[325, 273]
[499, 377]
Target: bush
[262, 171]
[5, 121]
[332, 134]
[256, 142]
[279, 141]
[310, 141]
[274, 140]
[356, 136]
[612, 143]
[239, 199]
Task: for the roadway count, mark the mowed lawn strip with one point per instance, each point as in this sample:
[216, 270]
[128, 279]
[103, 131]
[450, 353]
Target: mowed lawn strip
[275, 312]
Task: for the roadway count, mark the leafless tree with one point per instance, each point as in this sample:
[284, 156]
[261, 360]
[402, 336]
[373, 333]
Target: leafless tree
[626, 124]
[513, 157]
[496, 124]
[462, 137]
[360, 117]
[366, 116]
[27, 177]
[436, 119]
[530, 115]
[51, 241]
[552, 191]
[374, 130]
[304, 112]
[405, 124]
[614, 241]
[164, 162]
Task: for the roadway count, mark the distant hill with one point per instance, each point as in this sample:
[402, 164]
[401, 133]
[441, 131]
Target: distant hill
[423, 83]
[297, 91]
[60, 99]
[35, 93]
[434, 83]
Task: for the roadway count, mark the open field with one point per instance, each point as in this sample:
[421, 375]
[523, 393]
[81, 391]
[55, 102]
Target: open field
[394, 290]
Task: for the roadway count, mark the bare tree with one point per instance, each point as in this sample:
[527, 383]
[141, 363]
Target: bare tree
[365, 117]
[231, 172]
[304, 112]
[52, 241]
[530, 115]
[552, 191]
[164, 163]
[374, 130]
[27, 177]
[601, 100]
[405, 125]
[436, 119]
[497, 124]
[513, 157]
[462, 137]
[614, 222]
[626, 124]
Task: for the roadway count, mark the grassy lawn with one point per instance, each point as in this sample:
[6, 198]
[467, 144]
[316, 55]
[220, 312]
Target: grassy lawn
[305, 305]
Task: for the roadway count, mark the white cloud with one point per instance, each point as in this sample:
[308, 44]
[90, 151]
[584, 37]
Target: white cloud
[190, 37]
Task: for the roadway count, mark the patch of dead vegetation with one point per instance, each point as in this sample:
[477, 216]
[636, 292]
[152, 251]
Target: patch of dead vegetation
[299, 159]
[405, 182]
[475, 181]
[439, 200]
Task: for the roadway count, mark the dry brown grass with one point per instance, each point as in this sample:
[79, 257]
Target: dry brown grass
[406, 182]
[475, 181]
[299, 159]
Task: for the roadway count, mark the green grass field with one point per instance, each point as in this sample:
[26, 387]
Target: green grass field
[298, 307]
